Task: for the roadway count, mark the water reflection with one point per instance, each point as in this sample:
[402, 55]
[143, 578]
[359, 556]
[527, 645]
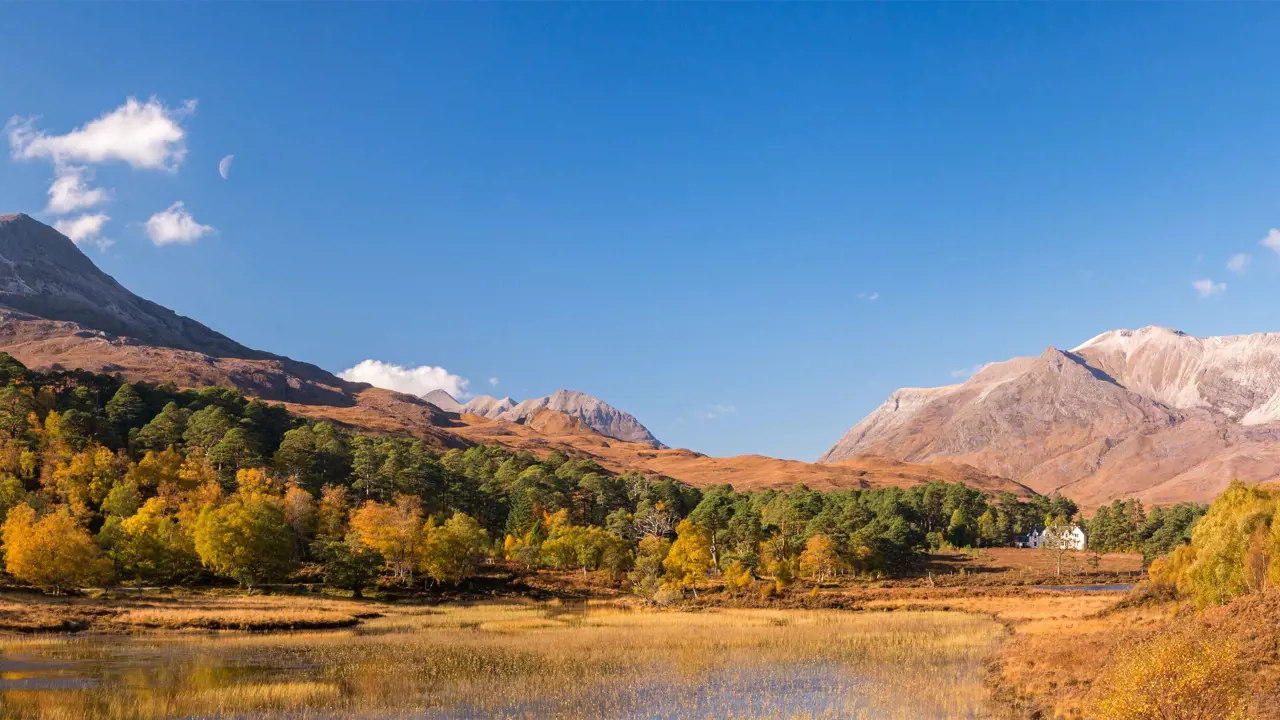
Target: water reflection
[563, 661]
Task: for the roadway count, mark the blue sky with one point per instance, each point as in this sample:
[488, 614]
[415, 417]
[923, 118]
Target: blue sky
[683, 209]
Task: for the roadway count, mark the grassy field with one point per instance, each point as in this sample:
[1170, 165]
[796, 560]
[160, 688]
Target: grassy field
[523, 660]
[747, 655]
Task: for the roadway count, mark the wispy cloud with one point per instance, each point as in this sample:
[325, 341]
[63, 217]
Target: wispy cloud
[70, 191]
[715, 412]
[493, 382]
[175, 225]
[869, 296]
[1239, 262]
[418, 380]
[224, 166]
[84, 229]
[1272, 240]
[1208, 288]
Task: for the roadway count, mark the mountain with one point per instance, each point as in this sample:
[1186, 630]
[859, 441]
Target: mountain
[443, 400]
[1152, 413]
[59, 311]
[594, 412]
[1236, 376]
[487, 406]
[544, 430]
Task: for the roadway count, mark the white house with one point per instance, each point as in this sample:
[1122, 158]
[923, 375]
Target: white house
[1071, 537]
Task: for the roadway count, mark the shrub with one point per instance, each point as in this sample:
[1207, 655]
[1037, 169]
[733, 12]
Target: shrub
[1175, 676]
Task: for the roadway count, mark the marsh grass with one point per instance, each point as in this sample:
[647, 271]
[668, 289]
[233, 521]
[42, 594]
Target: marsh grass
[521, 660]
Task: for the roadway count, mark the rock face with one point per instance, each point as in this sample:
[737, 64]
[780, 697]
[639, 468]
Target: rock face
[592, 411]
[443, 400]
[1236, 376]
[488, 407]
[1151, 413]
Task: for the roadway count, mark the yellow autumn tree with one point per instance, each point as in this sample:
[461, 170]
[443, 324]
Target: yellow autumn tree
[196, 471]
[690, 557]
[393, 530]
[737, 577]
[83, 479]
[156, 469]
[1235, 548]
[1176, 676]
[52, 552]
[153, 546]
[246, 538]
[820, 559]
[333, 513]
[258, 480]
[451, 552]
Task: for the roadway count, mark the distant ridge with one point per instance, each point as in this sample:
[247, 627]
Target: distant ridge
[594, 412]
[487, 406]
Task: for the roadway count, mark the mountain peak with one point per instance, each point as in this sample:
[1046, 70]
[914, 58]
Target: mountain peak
[443, 400]
[594, 412]
[488, 406]
[44, 274]
[1143, 334]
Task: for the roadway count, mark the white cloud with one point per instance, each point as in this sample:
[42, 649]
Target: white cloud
[70, 192]
[418, 380]
[871, 296]
[968, 372]
[493, 382]
[719, 411]
[1272, 240]
[1238, 262]
[224, 166]
[85, 228]
[1207, 287]
[146, 135]
[175, 225]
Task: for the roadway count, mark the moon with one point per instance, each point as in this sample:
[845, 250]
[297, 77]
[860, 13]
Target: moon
[224, 166]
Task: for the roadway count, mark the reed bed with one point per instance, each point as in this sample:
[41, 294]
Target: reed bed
[525, 660]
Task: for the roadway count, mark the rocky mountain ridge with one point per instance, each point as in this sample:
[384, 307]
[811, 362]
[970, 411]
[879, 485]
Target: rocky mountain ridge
[488, 407]
[595, 413]
[1151, 413]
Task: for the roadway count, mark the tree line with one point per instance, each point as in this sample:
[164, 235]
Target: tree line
[1125, 526]
[107, 481]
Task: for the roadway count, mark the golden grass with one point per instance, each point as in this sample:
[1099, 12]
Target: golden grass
[128, 612]
[523, 659]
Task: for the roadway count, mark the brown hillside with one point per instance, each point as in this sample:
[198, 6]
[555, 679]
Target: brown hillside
[1153, 414]
[548, 430]
[59, 311]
